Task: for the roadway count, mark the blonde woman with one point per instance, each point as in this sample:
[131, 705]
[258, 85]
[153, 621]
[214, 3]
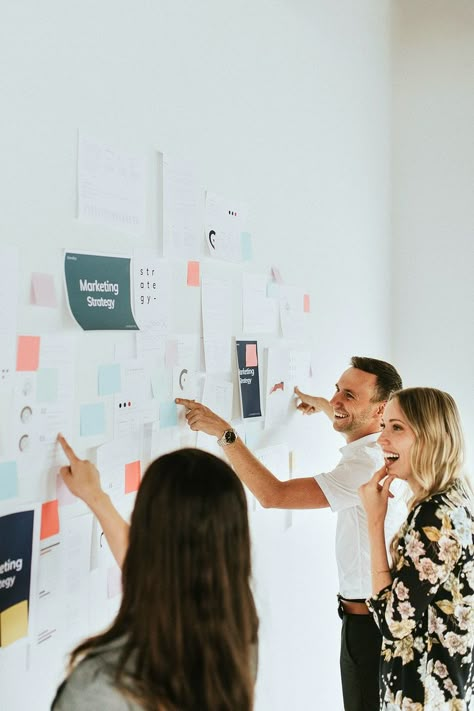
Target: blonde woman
[423, 602]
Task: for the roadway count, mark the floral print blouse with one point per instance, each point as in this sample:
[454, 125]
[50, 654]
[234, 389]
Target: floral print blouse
[426, 616]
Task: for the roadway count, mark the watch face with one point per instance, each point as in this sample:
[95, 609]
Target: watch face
[230, 436]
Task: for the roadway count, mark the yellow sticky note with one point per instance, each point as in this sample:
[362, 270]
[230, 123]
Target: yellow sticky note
[13, 623]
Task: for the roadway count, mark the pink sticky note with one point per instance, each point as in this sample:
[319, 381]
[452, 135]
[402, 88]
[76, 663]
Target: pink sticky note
[27, 354]
[194, 278]
[114, 582]
[49, 519]
[251, 355]
[132, 476]
[43, 292]
[307, 307]
[171, 354]
[276, 275]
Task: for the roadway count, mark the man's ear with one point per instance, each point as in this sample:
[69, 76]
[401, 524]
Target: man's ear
[381, 407]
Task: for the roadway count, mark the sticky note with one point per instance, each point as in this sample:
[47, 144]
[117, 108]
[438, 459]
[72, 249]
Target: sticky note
[168, 414]
[27, 354]
[171, 354]
[109, 379]
[273, 290]
[114, 582]
[49, 519]
[307, 307]
[43, 292]
[8, 480]
[194, 278]
[47, 385]
[13, 623]
[92, 419]
[246, 246]
[132, 476]
[251, 355]
[276, 275]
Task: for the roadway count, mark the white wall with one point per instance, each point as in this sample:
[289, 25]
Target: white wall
[433, 206]
[281, 104]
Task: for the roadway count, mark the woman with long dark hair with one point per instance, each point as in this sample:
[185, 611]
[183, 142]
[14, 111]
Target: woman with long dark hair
[185, 636]
[423, 601]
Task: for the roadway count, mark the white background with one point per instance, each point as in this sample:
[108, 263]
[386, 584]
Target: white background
[347, 129]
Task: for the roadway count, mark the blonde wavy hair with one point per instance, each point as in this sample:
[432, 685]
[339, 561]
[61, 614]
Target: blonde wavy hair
[437, 454]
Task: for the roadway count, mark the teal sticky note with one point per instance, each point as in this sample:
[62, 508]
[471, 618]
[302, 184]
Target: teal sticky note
[246, 245]
[8, 480]
[109, 379]
[92, 419]
[47, 385]
[168, 414]
[273, 290]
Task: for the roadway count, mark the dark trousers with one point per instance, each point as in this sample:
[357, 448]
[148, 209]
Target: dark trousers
[360, 660]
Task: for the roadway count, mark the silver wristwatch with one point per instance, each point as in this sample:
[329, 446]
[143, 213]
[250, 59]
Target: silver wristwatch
[229, 437]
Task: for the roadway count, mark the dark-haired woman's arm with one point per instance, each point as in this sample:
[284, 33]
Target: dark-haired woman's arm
[83, 480]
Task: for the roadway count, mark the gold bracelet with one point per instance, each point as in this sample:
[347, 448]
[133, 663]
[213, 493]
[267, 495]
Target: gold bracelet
[379, 572]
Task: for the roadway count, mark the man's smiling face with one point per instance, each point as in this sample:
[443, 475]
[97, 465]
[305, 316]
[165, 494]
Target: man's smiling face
[356, 411]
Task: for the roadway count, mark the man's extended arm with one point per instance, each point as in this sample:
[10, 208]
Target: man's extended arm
[302, 493]
[310, 404]
[82, 479]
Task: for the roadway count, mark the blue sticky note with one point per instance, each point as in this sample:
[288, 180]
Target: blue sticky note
[168, 414]
[246, 245]
[8, 480]
[92, 419]
[109, 379]
[273, 290]
[47, 385]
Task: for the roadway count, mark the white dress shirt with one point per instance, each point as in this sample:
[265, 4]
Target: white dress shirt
[359, 461]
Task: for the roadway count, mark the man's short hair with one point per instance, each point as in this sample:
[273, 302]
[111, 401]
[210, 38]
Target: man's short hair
[388, 379]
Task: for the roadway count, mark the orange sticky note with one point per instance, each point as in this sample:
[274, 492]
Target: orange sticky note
[27, 353]
[307, 308]
[132, 476]
[49, 519]
[194, 278]
[251, 355]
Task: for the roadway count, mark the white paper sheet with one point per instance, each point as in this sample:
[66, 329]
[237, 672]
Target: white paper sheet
[76, 534]
[111, 186]
[183, 211]
[152, 291]
[218, 396]
[278, 389]
[225, 221]
[292, 317]
[217, 324]
[111, 460]
[259, 312]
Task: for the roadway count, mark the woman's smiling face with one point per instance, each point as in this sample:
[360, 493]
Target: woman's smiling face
[396, 441]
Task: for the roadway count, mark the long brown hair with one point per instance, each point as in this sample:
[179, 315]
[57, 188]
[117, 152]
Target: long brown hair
[187, 616]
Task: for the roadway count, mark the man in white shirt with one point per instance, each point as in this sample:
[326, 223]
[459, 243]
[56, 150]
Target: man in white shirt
[356, 410]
